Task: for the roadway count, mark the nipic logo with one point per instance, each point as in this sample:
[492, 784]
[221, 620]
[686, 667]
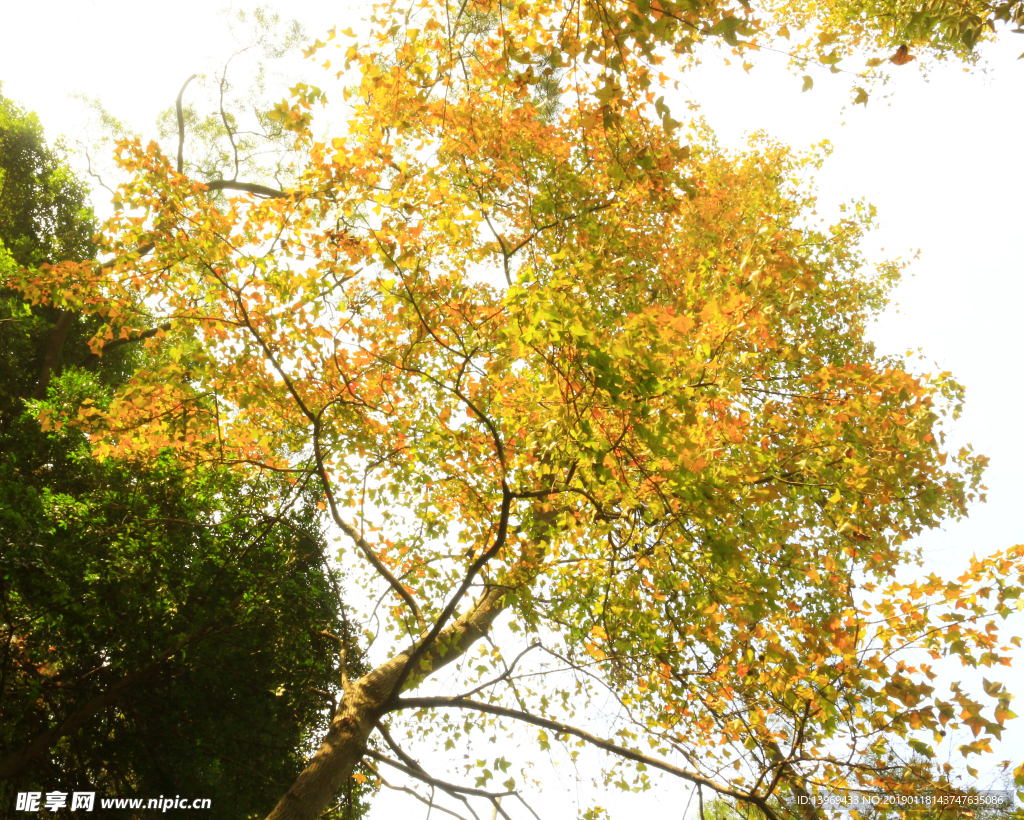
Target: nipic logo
[51, 801]
[86, 801]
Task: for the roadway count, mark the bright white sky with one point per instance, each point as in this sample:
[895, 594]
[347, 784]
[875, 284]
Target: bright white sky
[941, 162]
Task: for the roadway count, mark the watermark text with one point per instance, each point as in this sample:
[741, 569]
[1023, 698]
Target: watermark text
[86, 801]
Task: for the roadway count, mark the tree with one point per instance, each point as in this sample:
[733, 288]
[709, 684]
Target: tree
[163, 631]
[559, 368]
[45, 215]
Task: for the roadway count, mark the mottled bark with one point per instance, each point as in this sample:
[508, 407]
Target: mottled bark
[366, 699]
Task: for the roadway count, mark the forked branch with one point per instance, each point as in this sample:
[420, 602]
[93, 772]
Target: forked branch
[456, 791]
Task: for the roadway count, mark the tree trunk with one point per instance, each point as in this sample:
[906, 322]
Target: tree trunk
[53, 353]
[362, 704]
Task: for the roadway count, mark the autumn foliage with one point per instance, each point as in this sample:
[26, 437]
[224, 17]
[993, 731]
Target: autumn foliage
[570, 357]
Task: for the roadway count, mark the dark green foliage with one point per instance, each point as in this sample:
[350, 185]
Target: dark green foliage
[210, 594]
[165, 632]
[44, 219]
[44, 211]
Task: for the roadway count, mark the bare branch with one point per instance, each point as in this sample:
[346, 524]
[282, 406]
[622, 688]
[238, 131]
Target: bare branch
[412, 792]
[449, 788]
[181, 123]
[372, 557]
[393, 745]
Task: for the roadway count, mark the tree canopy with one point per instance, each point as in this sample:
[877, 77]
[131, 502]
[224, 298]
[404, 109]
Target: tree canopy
[567, 374]
[45, 215]
[164, 631]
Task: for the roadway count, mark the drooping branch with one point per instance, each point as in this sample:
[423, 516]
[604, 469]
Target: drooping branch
[600, 743]
[393, 745]
[370, 555]
[414, 769]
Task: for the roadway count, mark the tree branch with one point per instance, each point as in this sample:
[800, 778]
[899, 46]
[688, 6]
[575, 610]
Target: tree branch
[393, 745]
[181, 123]
[594, 740]
[366, 700]
[248, 187]
[143, 249]
[315, 421]
[449, 788]
[16, 761]
[116, 343]
[371, 556]
[54, 352]
[429, 802]
[426, 644]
